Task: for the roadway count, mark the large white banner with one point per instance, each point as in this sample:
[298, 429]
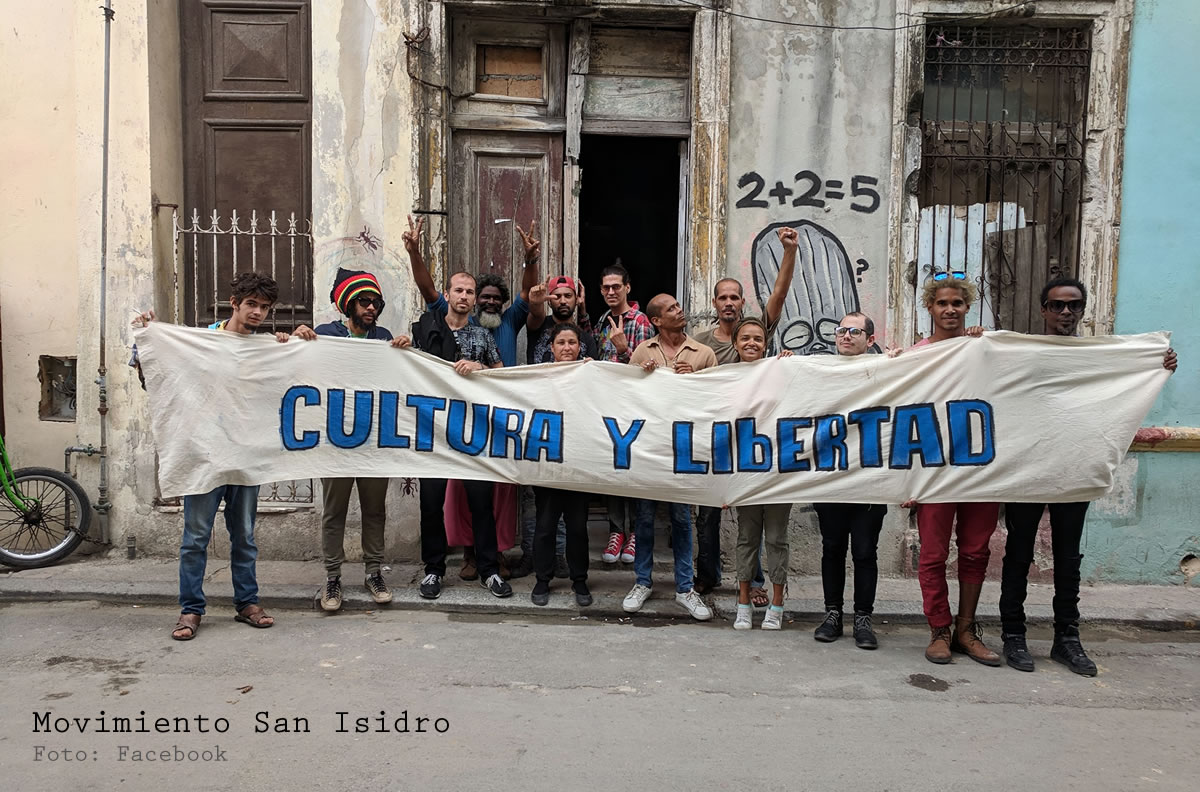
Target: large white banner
[1003, 417]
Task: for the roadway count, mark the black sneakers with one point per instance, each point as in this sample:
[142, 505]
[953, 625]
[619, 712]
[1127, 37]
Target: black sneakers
[583, 596]
[541, 593]
[561, 570]
[521, 568]
[497, 585]
[864, 636]
[830, 629]
[431, 586]
[1016, 652]
[1069, 651]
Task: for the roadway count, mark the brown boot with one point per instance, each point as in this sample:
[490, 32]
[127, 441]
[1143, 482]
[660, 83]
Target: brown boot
[939, 645]
[968, 640]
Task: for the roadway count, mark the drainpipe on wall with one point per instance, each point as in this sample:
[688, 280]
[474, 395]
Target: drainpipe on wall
[103, 505]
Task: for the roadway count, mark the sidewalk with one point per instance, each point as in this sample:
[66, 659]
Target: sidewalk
[294, 584]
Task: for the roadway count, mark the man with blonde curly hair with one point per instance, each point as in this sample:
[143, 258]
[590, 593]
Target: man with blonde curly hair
[948, 297]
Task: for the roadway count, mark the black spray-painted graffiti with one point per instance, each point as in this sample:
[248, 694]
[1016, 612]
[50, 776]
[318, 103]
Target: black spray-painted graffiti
[862, 189]
[823, 289]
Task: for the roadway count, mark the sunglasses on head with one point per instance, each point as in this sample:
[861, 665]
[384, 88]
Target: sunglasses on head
[1056, 306]
[956, 274]
[854, 332]
[366, 302]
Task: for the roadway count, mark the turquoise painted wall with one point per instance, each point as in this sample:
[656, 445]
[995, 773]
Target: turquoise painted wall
[1142, 533]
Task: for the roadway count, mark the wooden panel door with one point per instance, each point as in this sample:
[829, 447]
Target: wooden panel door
[503, 180]
[247, 143]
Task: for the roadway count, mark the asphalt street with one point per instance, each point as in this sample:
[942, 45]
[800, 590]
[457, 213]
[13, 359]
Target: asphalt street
[565, 703]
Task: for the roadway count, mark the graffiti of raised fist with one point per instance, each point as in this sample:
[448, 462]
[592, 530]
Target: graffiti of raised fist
[789, 238]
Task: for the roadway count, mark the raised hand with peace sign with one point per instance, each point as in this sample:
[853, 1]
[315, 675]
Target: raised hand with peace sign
[616, 334]
[412, 243]
[533, 245]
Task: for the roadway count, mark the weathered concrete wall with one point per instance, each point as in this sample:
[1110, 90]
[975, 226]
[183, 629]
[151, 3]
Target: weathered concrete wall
[39, 281]
[364, 170]
[1146, 536]
[808, 128]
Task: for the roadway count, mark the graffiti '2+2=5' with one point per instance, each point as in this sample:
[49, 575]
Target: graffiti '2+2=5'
[862, 190]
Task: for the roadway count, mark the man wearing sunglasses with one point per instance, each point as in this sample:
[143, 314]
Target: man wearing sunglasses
[1063, 301]
[853, 526]
[358, 297]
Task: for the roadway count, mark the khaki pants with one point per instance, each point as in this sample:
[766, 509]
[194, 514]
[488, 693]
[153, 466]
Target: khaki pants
[372, 493]
[753, 523]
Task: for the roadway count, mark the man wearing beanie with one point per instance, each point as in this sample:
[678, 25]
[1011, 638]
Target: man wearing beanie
[358, 296]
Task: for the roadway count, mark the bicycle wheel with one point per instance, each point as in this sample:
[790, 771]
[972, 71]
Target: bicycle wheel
[54, 524]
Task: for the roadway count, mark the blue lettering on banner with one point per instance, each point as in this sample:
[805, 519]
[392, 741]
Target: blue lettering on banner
[791, 448]
[425, 406]
[287, 417]
[915, 431]
[962, 439]
[870, 434]
[722, 447]
[389, 410]
[545, 435]
[456, 430]
[502, 433]
[681, 447]
[829, 442]
[623, 441]
[335, 418]
[753, 450]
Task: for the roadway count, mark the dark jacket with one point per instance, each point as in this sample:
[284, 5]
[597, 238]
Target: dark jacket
[431, 334]
[338, 328]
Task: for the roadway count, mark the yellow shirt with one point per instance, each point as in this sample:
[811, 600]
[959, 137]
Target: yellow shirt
[690, 351]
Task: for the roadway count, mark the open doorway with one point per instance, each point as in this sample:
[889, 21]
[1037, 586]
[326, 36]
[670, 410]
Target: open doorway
[629, 210]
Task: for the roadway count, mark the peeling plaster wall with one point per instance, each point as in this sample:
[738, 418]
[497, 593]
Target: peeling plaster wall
[811, 100]
[1144, 535]
[39, 283]
[364, 183]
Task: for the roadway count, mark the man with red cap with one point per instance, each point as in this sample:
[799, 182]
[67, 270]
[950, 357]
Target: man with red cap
[358, 297]
[565, 298]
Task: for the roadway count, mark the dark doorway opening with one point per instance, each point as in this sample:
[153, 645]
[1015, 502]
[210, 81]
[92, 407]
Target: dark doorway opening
[629, 210]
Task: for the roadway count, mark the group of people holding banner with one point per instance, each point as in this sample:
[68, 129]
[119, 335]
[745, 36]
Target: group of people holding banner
[469, 326]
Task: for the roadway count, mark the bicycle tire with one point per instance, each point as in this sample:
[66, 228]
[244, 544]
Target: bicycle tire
[50, 531]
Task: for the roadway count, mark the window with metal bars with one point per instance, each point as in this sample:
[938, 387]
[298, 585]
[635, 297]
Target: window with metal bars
[1003, 124]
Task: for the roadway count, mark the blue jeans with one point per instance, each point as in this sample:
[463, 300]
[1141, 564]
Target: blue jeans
[199, 514]
[681, 542]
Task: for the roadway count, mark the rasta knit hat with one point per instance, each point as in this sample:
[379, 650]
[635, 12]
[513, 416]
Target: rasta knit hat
[349, 285]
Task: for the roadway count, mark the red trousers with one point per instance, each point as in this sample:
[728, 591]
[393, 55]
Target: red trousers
[935, 521]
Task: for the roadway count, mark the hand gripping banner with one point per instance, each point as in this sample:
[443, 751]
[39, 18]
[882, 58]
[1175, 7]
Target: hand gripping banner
[1005, 417]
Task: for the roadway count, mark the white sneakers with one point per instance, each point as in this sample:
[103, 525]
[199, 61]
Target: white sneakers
[774, 618]
[745, 617]
[694, 605]
[636, 598]
[691, 601]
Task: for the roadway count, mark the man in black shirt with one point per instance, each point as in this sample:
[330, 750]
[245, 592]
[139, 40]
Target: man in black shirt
[565, 298]
[448, 334]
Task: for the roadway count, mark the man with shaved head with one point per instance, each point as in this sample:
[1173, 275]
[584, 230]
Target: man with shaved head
[673, 351]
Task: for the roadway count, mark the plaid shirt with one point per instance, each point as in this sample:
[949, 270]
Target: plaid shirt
[637, 329]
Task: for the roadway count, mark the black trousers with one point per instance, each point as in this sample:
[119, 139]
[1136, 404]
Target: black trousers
[433, 526]
[1066, 532]
[708, 547]
[856, 525]
[572, 507]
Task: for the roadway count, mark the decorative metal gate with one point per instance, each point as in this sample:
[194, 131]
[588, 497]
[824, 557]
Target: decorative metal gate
[281, 249]
[1001, 184]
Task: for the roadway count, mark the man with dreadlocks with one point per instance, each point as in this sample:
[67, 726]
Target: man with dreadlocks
[360, 300]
